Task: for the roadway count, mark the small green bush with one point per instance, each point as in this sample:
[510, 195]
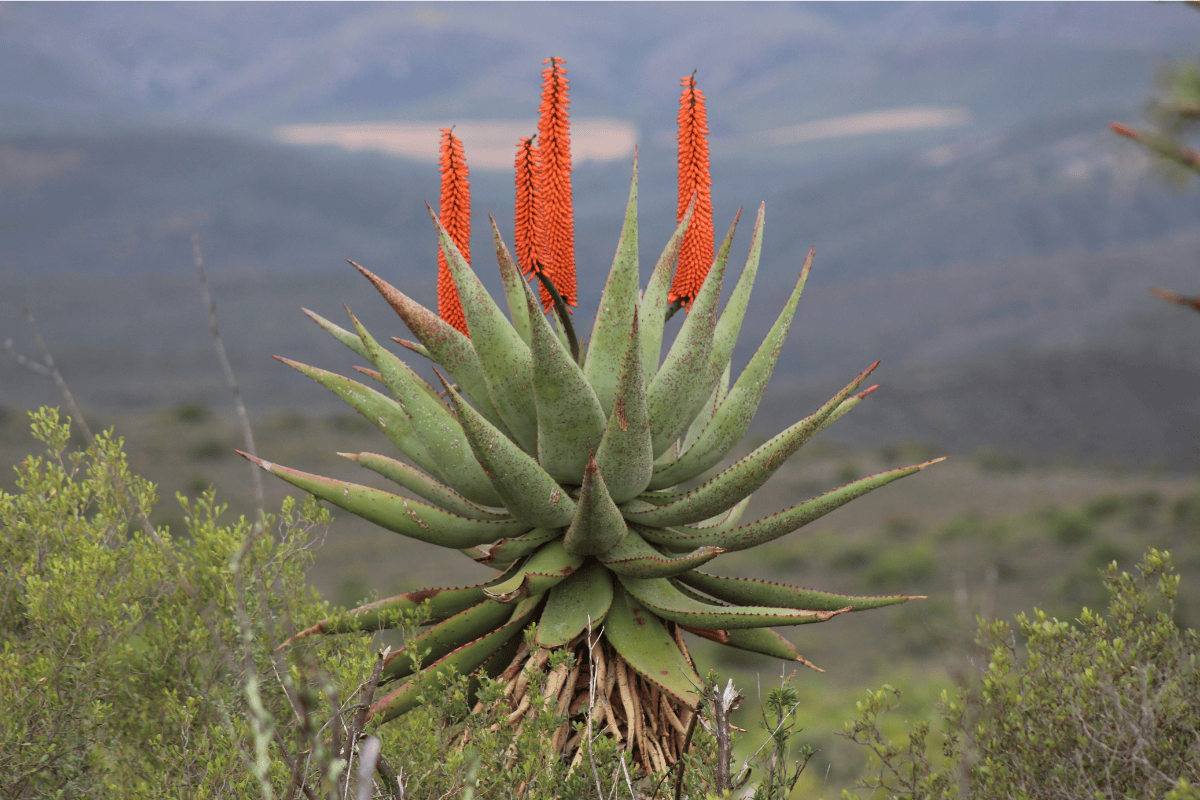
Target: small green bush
[1108, 707]
[1069, 527]
[122, 671]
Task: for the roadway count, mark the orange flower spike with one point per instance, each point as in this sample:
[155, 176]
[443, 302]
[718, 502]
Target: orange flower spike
[697, 249]
[525, 213]
[454, 210]
[554, 182]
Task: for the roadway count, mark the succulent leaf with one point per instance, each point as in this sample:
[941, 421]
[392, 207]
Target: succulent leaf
[514, 285]
[642, 640]
[344, 336]
[569, 418]
[598, 526]
[667, 601]
[443, 343]
[635, 558]
[734, 484]
[579, 603]
[783, 523]
[383, 412]
[767, 641]
[732, 418]
[446, 637]
[748, 591]
[729, 324]
[506, 551]
[506, 360]
[652, 311]
[433, 424]
[526, 490]
[421, 484]
[462, 661]
[389, 612]
[548, 567]
[618, 305]
[625, 455]
[401, 515]
[680, 385]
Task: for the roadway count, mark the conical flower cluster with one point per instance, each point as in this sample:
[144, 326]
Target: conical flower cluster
[559, 466]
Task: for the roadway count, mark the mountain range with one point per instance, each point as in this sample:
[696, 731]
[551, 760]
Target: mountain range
[998, 264]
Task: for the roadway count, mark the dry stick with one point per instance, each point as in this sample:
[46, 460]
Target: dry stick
[243, 417]
[626, 702]
[297, 773]
[54, 373]
[241, 615]
[595, 664]
[360, 719]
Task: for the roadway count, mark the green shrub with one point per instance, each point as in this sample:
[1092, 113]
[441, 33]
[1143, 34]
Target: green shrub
[122, 671]
[901, 568]
[1108, 707]
[1069, 527]
[191, 413]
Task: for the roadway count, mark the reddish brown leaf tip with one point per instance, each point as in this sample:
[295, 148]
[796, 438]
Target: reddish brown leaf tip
[931, 463]
[866, 392]
[1124, 130]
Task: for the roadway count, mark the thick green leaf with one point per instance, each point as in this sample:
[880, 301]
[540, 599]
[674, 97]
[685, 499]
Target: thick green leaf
[681, 383]
[732, 418]
[637, 559]
[570, 421]
[783, 523]
[421, 484]
[383, 412]
[506, 551]
[660, 596]
[528, 493]
[700, 423]
[506, 360]
[642, 640]
[445, 637]
[344, 336]
[598, 526]
[548, 567]
[577, 604]
[607, 350]
[433, 424]
[462, 661]
[740, 480]
[395, 513]
[625, 455]
[652, 310]
[766, 641]
[514, 285]
[389, 612]
[730, 323]
[443, 343]
[747, 591]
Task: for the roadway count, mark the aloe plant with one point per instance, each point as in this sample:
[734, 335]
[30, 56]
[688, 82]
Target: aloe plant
[557, 465]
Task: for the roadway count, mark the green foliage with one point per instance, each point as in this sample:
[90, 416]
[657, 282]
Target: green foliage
[121, 666]
[1069, 527]
[1108, 707]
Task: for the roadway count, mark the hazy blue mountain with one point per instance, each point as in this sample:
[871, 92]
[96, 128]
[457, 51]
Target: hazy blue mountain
[997, 265]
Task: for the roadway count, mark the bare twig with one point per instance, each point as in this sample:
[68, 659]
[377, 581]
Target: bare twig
[50, 369]
[231, 379]
[368, 756]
